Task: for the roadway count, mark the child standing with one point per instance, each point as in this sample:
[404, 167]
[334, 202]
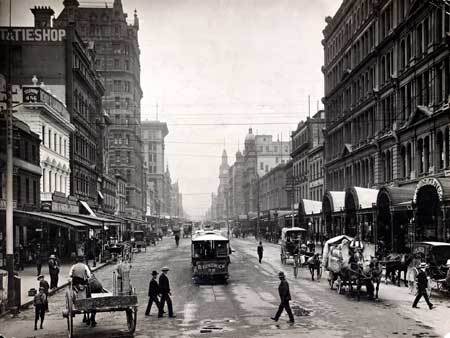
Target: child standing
[39, 307]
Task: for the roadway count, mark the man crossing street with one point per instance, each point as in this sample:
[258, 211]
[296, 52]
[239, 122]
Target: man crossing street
[260, 252]
[285, 297]
[164, 290]
[153, 291]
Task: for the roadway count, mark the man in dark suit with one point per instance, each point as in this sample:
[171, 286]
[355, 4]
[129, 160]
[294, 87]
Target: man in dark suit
[422, 284]
[285, 297]
[153, 291]
[164, 290]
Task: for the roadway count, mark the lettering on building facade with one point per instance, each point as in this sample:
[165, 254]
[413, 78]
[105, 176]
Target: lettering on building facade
[32, 34]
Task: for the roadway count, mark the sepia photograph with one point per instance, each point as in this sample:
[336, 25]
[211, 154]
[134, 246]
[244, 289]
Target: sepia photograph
[224, 168]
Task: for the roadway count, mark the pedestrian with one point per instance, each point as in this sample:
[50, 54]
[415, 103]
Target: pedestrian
[38, 260]
[260, 252]
[153, 291]
[39, 307]
[164, 290]
[80, 273]
[53, 268]
[422, 284]
[44, 284]
[285, 297]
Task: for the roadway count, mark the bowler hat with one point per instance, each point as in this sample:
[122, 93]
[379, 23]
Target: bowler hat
[165, 269]
[281, 274]
[52, 256]
[423, 265]
[41, 288]
[40, 276]
[154, 273]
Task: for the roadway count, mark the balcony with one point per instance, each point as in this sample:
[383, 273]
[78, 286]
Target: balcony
[36, 94]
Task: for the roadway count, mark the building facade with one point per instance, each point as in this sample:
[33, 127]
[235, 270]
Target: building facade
[307, 142]
[387, 104]
[60, 59]
[117, 62]
[224, 169]
[48, 117]
[153, 134]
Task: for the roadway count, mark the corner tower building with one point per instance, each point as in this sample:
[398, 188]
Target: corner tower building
[117, 62]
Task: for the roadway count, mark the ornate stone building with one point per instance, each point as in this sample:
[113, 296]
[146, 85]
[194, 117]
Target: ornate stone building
[117, 62]
[221, 206]
[387, 71]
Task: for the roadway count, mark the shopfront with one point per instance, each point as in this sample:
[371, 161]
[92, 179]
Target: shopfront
[333, 203]
[359, 212]
[310, 217]
[395, 216]
[432, 205]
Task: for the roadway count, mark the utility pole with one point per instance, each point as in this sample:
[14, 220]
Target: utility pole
[257, 206]
[9, 176]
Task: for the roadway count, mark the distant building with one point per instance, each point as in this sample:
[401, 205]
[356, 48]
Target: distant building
[221, 206]
[153, 134]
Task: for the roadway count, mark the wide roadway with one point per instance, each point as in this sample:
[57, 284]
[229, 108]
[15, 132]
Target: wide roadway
[242, 308]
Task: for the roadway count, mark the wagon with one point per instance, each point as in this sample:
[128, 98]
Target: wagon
[77, 302]
[290, 238]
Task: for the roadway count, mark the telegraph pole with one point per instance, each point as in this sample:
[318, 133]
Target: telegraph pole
[9, 176]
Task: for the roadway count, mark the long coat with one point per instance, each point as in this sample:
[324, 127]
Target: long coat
[164, 286]
[283, 290]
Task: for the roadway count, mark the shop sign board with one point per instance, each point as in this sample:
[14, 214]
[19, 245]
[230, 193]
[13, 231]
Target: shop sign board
[31, 34]
[429, 181]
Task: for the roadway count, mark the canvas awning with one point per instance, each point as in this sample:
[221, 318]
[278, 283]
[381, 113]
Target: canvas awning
[333, 201]
[360, 198]
[309, 207]
[88, 208]
[52, 219]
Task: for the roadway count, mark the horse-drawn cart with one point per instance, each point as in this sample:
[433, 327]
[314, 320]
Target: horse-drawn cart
[348, 263]
[79, 301]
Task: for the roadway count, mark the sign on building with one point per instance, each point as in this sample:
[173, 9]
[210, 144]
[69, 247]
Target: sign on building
[29, 34]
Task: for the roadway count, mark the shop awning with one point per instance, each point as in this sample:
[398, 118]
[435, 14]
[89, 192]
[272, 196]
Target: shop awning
[397, 196]
[52, 219]
[336, 201]
[363, 198]
[88, 208]
[309, 207]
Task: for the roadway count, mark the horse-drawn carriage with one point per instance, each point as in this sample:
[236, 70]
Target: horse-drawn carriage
[436, 255]
[138, 240]
[350, 263]
[290, 240]
[80, 301]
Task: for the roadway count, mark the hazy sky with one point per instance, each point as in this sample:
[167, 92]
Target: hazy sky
[251, 63]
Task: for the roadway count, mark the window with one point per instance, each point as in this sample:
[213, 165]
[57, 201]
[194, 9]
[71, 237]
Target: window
[116, 65]
[43, 135]
[262, 166]
[27, 190]
[117, 85]
[34, 192]
[127, 65]
[55, 137]
[33, 153]
[60, 145]
[19, 189]
[65, 147]
[50, 181]
[117, 104]
[49, 139]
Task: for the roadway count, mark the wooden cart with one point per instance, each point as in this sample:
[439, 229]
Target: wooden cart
[78, 303]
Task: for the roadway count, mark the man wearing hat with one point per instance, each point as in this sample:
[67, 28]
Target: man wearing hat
[153, 291]
[164, 290]
[422, 283]
[285, 297]
[53, 268]
[39, 307]
[44, 284]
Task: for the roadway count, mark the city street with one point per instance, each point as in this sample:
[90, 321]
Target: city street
[243, 307]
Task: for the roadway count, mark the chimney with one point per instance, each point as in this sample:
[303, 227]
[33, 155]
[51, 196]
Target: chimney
[42, 16]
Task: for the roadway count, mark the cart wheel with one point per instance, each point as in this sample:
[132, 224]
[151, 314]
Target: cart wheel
[70, 314]
[339, 285]
[131, 319]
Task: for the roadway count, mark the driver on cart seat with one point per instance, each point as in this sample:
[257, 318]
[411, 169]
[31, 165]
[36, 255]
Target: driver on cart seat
[80, 273]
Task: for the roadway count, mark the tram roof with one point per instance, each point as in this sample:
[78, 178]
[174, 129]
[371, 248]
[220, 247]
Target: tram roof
[209, 237]
[434, 243]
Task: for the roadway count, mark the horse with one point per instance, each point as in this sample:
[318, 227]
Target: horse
[94, 286]
[314, 265]
[376, 271]
[395, 265]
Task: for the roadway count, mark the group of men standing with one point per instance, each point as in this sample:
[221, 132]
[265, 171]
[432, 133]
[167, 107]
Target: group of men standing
[162, 289]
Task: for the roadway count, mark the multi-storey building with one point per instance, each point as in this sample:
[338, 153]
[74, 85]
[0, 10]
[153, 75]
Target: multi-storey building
[26, 177]
[307, 142]
[61, 59]
[48, 117]
[235, 194]
[273, 192]
[387, 89]
[117, 62]
[153, 134]
[176, 201]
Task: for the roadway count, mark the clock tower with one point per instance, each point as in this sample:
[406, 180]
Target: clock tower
[223, 178]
